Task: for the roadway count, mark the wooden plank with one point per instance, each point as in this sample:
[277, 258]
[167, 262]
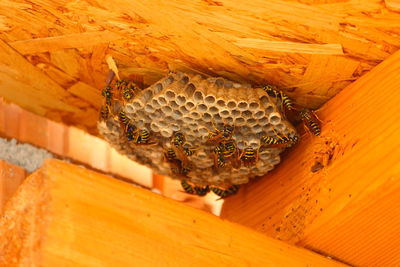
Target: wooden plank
[11, 176]
[27, 86]
[337, 193]
[75, 40]
[71, 216]
[279, 43]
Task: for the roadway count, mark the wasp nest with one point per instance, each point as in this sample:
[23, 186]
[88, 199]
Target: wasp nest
[197, 108]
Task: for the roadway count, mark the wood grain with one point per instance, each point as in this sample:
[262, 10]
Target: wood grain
[70, 216]
[337, 193]
[311, 49]
[11, 177]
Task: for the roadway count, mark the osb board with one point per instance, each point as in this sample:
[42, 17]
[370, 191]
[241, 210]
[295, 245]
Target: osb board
[52, 57]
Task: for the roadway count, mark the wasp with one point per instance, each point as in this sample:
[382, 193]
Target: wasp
[194, 190]
[187, 187]
[218, 136]
[170, 155]
[279, 141]
[108, 95]
[249, 156]
[223, 193]
[131, 132]
[178, 141]
[219, 160]
[286, 101]
[171, 158]
[142, 137]
[310, 120]
[104, 112]
[123, 119]
[127, 90]
[202, 191]
[230, 148]
[189, 150]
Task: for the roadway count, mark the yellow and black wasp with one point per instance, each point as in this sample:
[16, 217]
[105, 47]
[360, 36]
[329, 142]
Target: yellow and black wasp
[128, 90]
[142, 137]
[278, 141]
[194, 190]
[223, 193]
[218, 136]
[310, 120]
[249, 156]
[108, 95]
[123, 119]
[181, 148]
[131, 132]
[273, 92]
[219, 160]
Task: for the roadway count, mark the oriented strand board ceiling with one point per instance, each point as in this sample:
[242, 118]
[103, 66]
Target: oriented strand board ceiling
[52, 52]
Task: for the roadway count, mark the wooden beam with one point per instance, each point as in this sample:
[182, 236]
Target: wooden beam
[11, 176]
[338, 193]
[27, 86]
[296, 45]
[67, 215]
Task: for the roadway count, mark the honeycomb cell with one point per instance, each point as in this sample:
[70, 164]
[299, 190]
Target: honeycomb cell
[220, 103]
[161, 100]
[166, 110]
[198, 97]
[209, 100]
[251, 122]
[149, 108]
[154, 127]
[181, 100]
[158, 87]
[274, 118]
[184, 80]
[235, 113]
[173, 104]
[246, 114]
[190, 89]
[269, 109]
[202, 108]
[155, 103]
[224, 113]
[240, 121]
[231, 104]
[213, 110]
[254, 105]
[170, 95]
[259, 114]
[189, 105]
[243, 106]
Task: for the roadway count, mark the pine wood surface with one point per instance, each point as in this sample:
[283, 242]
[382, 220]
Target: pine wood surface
[11, 176]
[338, 193]
[64, 215]
[52, 53]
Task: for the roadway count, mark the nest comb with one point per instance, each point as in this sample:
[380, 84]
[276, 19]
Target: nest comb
[195, 106]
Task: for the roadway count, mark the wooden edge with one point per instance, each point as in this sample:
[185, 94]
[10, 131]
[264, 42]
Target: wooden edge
[11, 176]
[67, 215]
[335, 193]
